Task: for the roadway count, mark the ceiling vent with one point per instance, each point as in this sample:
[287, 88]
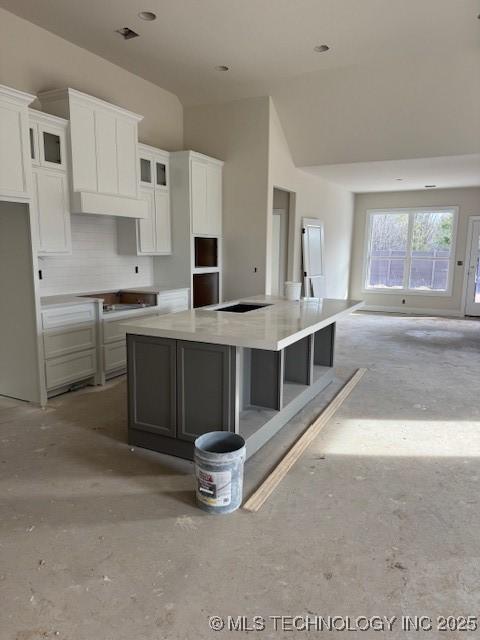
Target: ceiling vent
[127, 33]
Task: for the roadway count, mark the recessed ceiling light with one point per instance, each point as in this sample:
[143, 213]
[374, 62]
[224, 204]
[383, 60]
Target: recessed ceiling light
[147, 15]
[127, 33]
[430, 186]
[222, 67]
[321, 48]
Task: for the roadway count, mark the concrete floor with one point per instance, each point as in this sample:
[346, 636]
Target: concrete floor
[379, 518]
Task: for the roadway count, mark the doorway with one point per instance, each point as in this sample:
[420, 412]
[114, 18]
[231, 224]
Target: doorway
[472, 298]
[280, 226]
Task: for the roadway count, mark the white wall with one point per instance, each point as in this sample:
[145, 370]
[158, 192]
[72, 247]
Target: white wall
[314, 198]
[94, 264]
[414, 107]
[237, 132]
[468, 201]
[33, 59]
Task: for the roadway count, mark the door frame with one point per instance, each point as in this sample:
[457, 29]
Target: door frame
[468, 250]
[284, 216]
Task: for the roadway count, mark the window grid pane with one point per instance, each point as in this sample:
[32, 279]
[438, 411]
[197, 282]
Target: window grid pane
[427, 251]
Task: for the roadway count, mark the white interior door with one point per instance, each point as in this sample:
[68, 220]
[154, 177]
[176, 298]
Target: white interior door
[313, 249]
[472, 307]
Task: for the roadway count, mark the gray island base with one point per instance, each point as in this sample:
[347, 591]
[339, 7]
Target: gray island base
[246, 371]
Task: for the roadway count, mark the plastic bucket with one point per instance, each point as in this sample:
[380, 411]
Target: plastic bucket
[219, 457]
[293, 290]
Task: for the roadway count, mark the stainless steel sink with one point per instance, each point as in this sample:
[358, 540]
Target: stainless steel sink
[244, 307]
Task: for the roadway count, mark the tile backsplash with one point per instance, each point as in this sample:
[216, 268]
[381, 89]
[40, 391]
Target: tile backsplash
[94, 264]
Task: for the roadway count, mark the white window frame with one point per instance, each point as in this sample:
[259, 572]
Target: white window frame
[405, 289]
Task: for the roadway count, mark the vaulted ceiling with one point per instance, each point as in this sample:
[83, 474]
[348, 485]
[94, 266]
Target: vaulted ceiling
[401, 79]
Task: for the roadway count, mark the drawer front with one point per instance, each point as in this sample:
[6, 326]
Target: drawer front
[71, 368]
[113, 331]
[64, 316]
[169, 303]
[59, 343]
[115, 356]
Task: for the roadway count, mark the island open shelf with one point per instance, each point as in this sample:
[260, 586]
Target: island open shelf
[252, 385]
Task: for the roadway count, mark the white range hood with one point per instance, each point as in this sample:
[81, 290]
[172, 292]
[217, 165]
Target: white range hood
[103, 153]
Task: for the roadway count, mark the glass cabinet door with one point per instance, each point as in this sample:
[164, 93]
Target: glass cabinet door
[146, 171]
[33, 142]
[160, 174]
[52, 147]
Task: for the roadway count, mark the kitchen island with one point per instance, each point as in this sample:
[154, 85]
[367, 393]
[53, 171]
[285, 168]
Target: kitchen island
[246, 366]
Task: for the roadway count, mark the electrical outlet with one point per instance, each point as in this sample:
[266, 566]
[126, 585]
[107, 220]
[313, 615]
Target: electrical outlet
[254, 269]
[136, 268]
[40, 274]
[403, 301]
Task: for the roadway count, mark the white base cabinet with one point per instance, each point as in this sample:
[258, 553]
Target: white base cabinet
[70, 345]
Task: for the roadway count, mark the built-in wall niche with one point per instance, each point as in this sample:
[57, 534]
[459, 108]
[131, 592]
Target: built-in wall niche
[206, 252]
[205, 289]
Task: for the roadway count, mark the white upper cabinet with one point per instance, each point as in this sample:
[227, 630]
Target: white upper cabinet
[104, 158]
[51, 197]
[14, 145]
[152, 235]
[206, 195]
[51, 202]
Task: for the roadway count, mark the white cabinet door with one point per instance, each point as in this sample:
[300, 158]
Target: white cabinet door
[127, 158]
[13, 151]
[52, 211]
[106, 147]
[163, 232]
[214, 200]
[146, 227]
[198, 197]
[52, 147]
[84, 155]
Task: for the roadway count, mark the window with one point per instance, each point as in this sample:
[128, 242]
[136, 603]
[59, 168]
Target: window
[410, 250]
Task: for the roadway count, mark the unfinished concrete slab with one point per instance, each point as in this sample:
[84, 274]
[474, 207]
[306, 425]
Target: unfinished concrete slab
[379, 517]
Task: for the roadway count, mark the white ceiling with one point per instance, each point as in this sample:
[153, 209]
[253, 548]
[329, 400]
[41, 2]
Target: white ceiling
[364, 177]
[263, 41]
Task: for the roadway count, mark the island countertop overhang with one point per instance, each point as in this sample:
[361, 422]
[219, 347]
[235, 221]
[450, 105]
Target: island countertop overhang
[271, 327]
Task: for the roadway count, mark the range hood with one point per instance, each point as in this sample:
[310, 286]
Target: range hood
[103, 153]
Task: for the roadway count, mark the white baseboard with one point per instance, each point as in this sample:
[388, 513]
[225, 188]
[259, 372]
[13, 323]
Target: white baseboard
[414, 311]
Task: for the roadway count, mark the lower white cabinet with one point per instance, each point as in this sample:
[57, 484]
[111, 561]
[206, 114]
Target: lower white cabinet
[71, 368]
[69, 344]
[52, 211]
[115, 356]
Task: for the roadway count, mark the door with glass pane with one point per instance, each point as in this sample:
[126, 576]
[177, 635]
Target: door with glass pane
[472, 306]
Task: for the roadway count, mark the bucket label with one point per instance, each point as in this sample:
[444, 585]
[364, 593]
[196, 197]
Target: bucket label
[214, 487]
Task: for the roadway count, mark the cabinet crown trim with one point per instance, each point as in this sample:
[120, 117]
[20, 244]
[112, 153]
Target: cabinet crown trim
[15, 95]
[55, 95]
[146, 148]
[40, 116]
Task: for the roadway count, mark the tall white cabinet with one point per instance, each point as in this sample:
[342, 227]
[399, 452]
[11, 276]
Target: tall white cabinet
[103, 153]
[196, 205]
[50, 189]
[14, 145]
[151, 236]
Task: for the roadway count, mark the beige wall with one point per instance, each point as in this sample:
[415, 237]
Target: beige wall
[415, 107]
[248, 136]
[237, 132]
[468, 201]
[33, 59]
[313, 198]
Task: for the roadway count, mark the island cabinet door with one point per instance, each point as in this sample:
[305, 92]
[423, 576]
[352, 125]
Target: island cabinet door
[205, 389]
[152, 385]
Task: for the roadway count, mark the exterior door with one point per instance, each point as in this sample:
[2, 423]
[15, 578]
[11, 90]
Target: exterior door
[472, 306]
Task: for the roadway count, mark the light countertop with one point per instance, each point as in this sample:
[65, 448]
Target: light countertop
[273, 327]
